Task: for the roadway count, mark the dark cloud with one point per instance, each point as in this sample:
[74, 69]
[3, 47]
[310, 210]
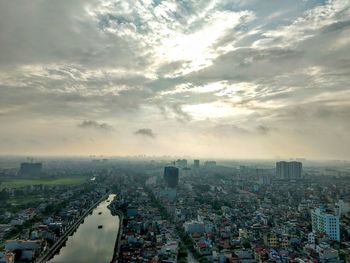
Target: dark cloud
[30, 101]
[337, 26]
[285, 69]
[263, 129]
[180, 114]
[145, 132]
[322, 113]
[242, 130]
[52, 32]
[250, 64]
[229, 129]
[95, 125]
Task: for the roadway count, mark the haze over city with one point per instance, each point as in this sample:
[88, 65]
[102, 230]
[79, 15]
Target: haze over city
[232, 79]
[175, 131]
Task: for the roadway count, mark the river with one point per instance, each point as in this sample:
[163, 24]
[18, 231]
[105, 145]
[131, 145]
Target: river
[89, 244]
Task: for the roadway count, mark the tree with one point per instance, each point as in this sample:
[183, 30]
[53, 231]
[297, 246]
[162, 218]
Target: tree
[18, 254]
[203, 260]
[3, 195]
[246, 244]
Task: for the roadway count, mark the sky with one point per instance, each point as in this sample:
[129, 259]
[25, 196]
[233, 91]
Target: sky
[203, 78]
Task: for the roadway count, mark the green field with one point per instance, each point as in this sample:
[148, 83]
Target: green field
[15, 183]
[24, 200]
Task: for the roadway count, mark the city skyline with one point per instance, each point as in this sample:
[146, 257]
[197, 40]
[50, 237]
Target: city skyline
[209, 79]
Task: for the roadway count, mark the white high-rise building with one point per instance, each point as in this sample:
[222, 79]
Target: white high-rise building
[323, 222]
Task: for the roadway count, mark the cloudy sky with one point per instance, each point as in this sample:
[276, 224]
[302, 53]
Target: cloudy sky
[206, 78]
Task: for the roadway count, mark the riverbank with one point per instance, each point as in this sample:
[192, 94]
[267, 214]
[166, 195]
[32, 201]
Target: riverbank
[118, 239]
[52, 250]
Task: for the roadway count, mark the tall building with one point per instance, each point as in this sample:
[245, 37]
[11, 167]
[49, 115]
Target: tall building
[31, 169]
[171, 176]
[196, 163]
[288, 170]
[323, 222]
[282, 170]
[294, 169]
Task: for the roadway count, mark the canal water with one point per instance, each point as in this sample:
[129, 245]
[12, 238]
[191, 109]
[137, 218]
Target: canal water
[89, 244]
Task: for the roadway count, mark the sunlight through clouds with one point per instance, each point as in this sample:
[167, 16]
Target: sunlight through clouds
[227, 72]
[197, 47]
[214, 110]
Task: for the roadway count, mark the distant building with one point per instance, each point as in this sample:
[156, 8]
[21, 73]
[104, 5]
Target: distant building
[171, 176]
[294, 169]
[196, 163]
[242, 169]
[182, 163]
[31, 169]
[282, 170]
[288, 170]
[323, 222]
[210, 164]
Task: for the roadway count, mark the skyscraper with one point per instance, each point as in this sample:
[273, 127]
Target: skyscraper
[288, 170]
[210, 164]
[282, 170]
[323, 222]
[294, 169]
[171, 176]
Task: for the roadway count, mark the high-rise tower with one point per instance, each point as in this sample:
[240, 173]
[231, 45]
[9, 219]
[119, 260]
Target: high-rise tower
[171, 176]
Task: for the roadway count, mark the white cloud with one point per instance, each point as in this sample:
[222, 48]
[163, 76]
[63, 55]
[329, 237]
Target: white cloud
[305, 26]
[215, 110]
[179, 68]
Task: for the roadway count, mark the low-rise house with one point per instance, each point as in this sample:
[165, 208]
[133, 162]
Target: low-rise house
[7, 257]
[28, 249]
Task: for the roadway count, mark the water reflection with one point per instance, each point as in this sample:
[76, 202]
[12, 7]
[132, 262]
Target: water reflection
[89, 243]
